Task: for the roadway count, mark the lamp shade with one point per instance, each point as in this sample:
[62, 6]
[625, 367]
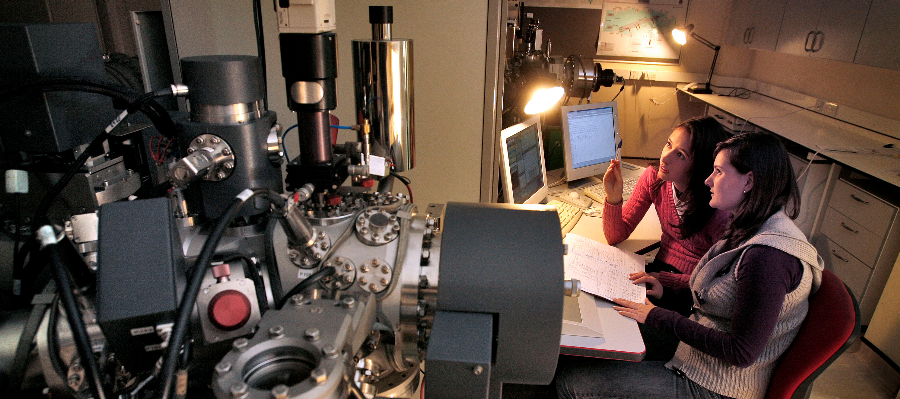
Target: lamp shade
[680, 34]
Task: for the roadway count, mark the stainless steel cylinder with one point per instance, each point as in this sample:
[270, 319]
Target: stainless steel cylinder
[382, 72]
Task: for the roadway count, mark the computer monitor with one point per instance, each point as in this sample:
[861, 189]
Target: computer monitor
[522, 163]
[590, 136]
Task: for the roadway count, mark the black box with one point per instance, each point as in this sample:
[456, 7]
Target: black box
[39, 122]
[140, 277]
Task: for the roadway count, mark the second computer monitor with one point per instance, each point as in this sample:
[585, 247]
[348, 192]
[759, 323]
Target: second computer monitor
[590, 135]
[523, 174]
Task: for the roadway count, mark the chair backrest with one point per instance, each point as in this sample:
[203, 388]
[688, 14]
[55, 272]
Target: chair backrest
[831, 326]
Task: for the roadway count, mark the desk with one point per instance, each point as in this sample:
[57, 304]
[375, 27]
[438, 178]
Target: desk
[813, 131]
[621, 337]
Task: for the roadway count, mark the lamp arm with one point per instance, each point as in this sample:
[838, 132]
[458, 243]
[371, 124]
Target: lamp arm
[713, 67]
[705, 42]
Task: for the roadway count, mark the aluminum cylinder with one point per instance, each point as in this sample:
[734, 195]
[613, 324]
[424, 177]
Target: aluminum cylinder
[382, 73]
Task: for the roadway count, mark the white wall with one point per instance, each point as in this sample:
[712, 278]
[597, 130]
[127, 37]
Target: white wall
[448, 66]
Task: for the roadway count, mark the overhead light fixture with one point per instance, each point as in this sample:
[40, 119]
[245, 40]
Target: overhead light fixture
[680, 36]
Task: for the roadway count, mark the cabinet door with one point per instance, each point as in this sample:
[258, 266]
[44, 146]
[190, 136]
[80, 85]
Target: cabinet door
[880, 37]
[767, 22]
[739, 25]
[798, 26]
[841, 26]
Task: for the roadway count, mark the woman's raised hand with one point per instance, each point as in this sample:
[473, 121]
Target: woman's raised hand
[612, 182]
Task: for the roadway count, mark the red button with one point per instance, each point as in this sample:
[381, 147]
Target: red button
[229, 310]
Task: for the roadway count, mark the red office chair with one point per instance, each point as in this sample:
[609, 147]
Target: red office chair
[831, 326]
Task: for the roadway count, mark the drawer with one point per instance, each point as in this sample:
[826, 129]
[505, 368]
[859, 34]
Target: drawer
[851, 236]
[731, 123]
[869, 211]
[853, 272]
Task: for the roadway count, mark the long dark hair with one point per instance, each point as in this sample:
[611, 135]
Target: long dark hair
[774, 186]
[705, 133]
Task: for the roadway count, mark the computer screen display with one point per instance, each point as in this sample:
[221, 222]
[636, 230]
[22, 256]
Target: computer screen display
[524, 176]
[590, 134]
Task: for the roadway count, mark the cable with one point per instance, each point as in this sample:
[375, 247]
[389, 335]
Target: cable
[17, 272]
[808, 165]
[406, 182]
[271, 259]
[306, 283]
[53, 340]
[653, 100]
[620, 91]
[252, 271]
[283, 147]
[342, 127]
[261, 49]
[29, 331]
[50, 243]
[185, 308]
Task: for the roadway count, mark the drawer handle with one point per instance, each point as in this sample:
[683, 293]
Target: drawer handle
[849, 228]
[859, 199]
[838, 256]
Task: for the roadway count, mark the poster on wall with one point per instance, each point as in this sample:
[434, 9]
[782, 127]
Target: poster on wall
[640, 31]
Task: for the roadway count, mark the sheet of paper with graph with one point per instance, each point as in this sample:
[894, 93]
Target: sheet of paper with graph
[603, 269]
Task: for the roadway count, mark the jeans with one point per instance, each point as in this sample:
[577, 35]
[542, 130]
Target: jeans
[600, 378]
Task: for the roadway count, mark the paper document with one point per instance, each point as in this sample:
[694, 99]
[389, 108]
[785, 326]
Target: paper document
[603, 269]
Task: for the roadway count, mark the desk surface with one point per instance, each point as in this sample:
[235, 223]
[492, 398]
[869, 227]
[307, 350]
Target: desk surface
[815, 132]
[621, 337]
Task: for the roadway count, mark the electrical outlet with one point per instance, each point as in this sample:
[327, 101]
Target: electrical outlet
[819, 105]
[650, 75]
[829, 109]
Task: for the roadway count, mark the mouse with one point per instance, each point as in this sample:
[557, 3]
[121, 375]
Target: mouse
[573, 194]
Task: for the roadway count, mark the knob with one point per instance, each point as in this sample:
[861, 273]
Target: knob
[229, 310]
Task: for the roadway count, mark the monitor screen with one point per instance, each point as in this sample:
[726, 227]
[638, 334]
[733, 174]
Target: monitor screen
[522, 166]
[590, 134]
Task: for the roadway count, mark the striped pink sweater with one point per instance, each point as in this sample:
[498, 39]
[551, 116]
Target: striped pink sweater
[619, 221]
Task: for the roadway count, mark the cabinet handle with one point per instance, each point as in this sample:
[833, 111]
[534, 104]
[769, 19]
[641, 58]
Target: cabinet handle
[859, 199]
[839, 257]
[849, 228]
[747, 36]
[750, 38]
[806, 46]
[820, 39]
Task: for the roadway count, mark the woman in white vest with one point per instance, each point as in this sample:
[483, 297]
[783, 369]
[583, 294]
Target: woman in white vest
[749, 292]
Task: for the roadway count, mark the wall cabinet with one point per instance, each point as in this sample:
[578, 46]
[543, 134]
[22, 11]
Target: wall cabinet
[858, 238]
[755, 24]
[858, 31]
[880, 38]
[823, 28]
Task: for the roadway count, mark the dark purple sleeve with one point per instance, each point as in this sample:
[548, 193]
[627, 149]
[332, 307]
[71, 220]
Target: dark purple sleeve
[765, 276]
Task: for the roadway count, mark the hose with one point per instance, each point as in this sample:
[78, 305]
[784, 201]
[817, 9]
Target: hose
[50, 243]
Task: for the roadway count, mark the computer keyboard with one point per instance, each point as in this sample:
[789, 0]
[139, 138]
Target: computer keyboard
[598, 193]
[568, 214]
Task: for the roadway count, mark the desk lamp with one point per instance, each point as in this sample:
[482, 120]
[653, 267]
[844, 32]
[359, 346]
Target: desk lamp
[680, 36]
[544, 94]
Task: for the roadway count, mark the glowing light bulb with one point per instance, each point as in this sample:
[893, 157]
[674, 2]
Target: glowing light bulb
[543, 99]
